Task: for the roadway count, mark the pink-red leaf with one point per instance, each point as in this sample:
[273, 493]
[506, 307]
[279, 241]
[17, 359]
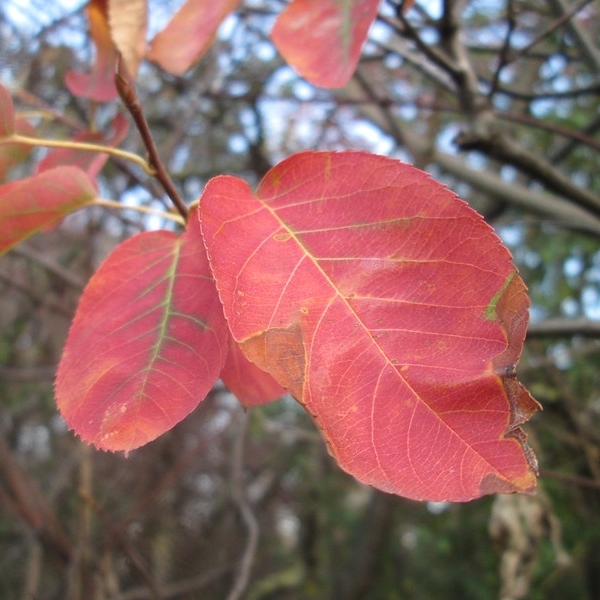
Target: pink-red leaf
[99, 84]
[189, 34]
[389, 309]
[30, 205]
[147, 343]
[251, 385]
[91, 162]
[7, 113]
[322, 39]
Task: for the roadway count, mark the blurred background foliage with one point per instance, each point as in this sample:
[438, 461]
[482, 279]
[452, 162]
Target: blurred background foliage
[497, 98]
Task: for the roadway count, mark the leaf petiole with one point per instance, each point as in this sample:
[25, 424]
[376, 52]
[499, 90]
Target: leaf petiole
[70, 145]
[142, 209]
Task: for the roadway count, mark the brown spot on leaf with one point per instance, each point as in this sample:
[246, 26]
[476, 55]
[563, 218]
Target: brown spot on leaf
[492, 484]
[280, 351]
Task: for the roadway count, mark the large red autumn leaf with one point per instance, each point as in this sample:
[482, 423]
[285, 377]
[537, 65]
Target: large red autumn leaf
[188, 35]
[322, 39]
[30, 205]
[147, 343]
[389, 309]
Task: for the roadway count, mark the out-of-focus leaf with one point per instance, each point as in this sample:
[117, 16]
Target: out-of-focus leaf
[148, 341]
[389, 309]
[91, 162]
[250, 385]
[98, 85]
[12, 154]
[128, 21]
[189, 34]
[322, 39]
[7, 113]
[30, 205]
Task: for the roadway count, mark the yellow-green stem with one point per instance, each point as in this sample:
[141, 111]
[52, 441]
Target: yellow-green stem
[70, 145]
[142, 209]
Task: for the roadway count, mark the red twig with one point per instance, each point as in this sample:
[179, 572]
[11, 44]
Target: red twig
[126, 89]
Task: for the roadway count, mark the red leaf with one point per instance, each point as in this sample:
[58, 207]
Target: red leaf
[322, 39]
[251, 385]
[147, 343]
[98, 85]
[189, 34]
[91, 162]
[389, 309]
[30, 205]
[7, 113]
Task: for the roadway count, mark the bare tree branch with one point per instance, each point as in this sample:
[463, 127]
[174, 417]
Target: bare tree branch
[589, 48]
[239, 497]
[425, 152]
[177, 589]
[560, 327]
[23, 498]
[67, 275]
[499, 146]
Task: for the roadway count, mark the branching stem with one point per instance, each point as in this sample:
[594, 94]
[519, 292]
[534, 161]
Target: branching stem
[126, 89]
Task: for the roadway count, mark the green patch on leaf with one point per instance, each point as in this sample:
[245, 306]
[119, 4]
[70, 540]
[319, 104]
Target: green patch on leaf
[490, 313]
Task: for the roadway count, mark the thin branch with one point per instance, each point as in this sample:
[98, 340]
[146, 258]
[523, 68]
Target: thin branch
[172, 476]
[51, 265]
[504, 56]
[591, 90]
[565, 18]
[126, 89]
[29, 98]
[431, 52]
[584, 137]
[239, 497]
[177, 589]
[28, 374]
[574, 135]
[561, 327]
[580, 351]
[399, 46]
[26, 500]
[588, 48]
[128, 548]
[570, 479]
[566, 213]
[37, 298]
[497, 145]
[463, 72]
